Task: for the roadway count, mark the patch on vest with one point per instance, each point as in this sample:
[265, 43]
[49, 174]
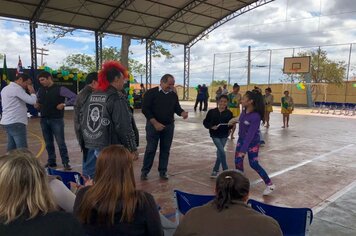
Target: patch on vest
[95, 120]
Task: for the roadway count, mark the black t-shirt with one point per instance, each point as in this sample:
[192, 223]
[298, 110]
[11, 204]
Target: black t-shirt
[51, 224]
[146, 219]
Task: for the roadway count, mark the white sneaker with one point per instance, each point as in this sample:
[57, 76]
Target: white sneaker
[269, 189]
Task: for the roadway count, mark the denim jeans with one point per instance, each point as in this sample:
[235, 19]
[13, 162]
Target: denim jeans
[165, 137]
[90, 162]
[54, 128]
[220, 154]
[16, 136]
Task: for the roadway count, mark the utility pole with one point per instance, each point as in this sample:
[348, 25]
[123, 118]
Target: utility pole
[41, 51]
[249, 66]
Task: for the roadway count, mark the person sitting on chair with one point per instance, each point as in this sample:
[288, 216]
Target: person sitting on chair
[228, 214]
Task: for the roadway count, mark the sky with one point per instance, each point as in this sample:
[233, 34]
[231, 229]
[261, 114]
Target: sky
[272, 30]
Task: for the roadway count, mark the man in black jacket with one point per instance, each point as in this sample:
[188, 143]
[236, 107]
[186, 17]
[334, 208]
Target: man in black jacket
[91, 84]
[106, 118]
[159, 106]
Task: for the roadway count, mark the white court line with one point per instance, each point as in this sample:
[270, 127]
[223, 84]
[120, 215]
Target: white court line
[303, 163]
[322, 205]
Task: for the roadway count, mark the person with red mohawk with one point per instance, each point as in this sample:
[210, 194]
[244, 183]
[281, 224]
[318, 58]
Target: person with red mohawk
[106, 118]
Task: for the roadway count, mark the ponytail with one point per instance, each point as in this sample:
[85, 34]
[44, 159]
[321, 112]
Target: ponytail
[230, 185]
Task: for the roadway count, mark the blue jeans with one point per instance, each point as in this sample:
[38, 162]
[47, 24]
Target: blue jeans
[54, 128]
[220, 154]
[165, 137]
[90, 162]
[16, 136]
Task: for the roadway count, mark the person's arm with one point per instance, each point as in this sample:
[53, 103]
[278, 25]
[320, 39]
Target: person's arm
[178, 109]
[79, 199]
[207, 121]
[272, 100]
[62, 195]
[29, 99]
[147, 105]
[64, 92]
[122, 121]
[229, 117]
[252, 130]
[153, 221]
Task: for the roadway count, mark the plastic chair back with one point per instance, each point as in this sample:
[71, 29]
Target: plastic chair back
[293, 221]
[186, 201]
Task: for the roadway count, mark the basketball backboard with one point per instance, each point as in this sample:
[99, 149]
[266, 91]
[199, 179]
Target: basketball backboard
[296, 65]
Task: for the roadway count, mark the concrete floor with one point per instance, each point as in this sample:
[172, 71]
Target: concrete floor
[312, 163]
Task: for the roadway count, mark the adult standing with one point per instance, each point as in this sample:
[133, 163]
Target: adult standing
[51, 103]
[217, 95]
[159, 106]
[106, 116]
[205, 91]
[91, 84]
[14, 118]
[224, 90]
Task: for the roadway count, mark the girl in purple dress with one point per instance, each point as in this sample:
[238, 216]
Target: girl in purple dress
[249, 138]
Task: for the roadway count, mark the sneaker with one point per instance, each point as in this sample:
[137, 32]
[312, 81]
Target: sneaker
[262, 143]
[66, 166]
[269, 189]
[163, 176]
[214, 175]
[51, 165]
[144, 176]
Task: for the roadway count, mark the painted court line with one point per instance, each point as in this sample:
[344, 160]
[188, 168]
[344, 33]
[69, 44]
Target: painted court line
[43, 144]
[303, 163]
[322, 205]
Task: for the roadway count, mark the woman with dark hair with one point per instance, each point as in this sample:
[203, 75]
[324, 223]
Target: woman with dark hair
[249, 137]
[113, 206]
[217, 121]
[228, 214]
[268, 97]
[234, 105]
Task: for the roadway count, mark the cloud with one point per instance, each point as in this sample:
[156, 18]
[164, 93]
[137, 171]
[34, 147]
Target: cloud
[281, 25]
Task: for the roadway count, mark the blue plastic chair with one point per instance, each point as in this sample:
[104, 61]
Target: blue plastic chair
[67, 176]
[186, 201]
[293, 221]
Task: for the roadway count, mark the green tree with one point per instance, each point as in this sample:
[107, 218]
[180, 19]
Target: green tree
[217, 83]
[86, 63]
[323, 70]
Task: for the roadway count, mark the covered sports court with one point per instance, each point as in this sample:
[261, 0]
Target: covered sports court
[312, 163]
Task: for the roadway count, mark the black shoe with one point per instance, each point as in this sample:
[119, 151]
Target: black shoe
[164, 176]
[51, 165]
[144, 176]
[66, 166]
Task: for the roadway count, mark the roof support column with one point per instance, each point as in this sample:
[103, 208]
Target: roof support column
[33, 27]
[148, 63]
[186, 72]
[98, 50]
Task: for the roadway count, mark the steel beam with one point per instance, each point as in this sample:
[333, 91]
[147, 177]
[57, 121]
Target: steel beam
[186, 72]
[148, 63]
[174, 18]
[228, 18]
[33, 27]
[114, 14]
[98, 50]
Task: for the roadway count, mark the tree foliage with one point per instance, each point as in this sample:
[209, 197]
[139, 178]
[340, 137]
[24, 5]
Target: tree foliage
[323, 69]
[86, 63]
[216, 83]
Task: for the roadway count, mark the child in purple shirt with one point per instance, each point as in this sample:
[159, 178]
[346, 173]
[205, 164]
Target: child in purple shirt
[249, 139]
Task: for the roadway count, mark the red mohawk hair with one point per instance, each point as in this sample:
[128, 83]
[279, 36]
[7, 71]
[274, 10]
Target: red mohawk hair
[102, 76]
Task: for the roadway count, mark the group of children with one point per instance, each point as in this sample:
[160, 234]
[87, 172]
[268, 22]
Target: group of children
[256, 108]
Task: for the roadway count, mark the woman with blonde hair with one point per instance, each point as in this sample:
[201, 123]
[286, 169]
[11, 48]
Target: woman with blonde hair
[113, 206]
[26, 202]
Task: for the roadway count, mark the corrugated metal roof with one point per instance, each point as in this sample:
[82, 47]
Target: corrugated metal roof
[176, 21]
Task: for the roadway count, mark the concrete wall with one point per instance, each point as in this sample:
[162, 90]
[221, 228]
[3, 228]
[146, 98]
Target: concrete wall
[334, 93]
